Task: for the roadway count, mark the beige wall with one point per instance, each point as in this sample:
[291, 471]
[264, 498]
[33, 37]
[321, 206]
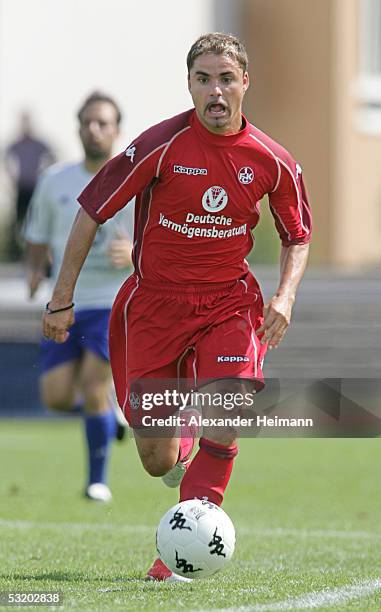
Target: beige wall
[357, 187]
[303, 65]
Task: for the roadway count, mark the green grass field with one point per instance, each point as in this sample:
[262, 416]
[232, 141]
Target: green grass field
[307, 515]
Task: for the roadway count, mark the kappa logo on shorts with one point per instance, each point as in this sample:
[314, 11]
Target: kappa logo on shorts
[134, 399]
[298, 171]
[214, 199]
[232, 358]
[246, 175]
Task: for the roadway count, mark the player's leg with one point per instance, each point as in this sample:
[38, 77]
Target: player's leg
[136, 350]
[165, 455]
[160, 453]
[57, 386]
[94, 383]
[210, 470]
[94, 379]
[58, 369]
[231, 354]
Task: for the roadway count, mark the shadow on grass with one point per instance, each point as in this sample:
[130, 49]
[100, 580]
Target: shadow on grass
[64, 576]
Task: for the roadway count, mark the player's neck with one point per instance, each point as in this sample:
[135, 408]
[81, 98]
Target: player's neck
[93, 166]
[227, 130]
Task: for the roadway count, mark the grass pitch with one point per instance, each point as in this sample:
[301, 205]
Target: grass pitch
[307, 514]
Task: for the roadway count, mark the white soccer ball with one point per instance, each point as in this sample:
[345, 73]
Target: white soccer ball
[195, 538]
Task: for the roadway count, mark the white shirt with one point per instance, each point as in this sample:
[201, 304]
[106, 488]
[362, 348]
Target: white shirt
[50, 217]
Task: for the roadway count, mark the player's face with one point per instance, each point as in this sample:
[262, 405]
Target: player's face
[217, 85]
[98, 130]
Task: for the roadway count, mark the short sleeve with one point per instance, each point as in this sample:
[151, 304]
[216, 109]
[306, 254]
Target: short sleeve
[122, 178]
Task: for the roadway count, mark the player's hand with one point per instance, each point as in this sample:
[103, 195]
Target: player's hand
[277, 317]
[55, 326]
[119, 253]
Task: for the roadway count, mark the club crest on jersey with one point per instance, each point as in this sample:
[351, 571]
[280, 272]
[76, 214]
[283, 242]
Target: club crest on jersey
[246, 175]
[134, 400]
[214, 199]
[130, 152]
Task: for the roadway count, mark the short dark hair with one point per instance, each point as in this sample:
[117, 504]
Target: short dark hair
[99, 96]
[219, 44]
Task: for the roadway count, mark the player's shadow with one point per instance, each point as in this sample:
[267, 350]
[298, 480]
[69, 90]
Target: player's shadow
[53, 576]
[65, 576]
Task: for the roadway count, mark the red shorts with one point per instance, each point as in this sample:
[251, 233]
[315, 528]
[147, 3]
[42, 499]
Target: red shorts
[199, 333]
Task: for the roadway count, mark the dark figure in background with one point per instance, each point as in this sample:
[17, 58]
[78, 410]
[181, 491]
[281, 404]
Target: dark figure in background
[25, 158]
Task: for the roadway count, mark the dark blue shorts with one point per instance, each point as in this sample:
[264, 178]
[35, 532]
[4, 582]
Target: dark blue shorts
[89, 333]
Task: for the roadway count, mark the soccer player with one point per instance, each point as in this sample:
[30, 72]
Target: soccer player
[192, 308]
[81, 365]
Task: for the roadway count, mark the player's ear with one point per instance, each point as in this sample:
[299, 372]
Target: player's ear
[246, 81]
[189, 83]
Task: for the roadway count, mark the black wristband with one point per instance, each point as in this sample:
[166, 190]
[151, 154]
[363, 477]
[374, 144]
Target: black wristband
[50, 311]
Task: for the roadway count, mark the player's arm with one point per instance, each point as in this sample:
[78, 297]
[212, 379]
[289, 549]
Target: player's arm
[38, 231]
[122, 178]
[81, 238]
[277, 313]
[291, 211]
[36, 260]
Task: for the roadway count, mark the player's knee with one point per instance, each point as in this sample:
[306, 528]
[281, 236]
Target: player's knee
[95, 397]
[56, 397]
[156, 466]
[58, 404]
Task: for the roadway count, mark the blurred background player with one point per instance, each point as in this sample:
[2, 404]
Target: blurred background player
[81, 366]
[24, 160]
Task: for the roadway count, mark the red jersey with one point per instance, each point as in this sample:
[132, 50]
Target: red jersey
[197, 198]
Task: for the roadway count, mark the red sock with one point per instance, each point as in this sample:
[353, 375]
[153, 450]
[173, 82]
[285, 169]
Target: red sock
[209, 473]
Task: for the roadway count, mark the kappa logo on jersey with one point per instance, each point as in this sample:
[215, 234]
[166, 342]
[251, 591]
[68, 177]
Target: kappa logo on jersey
[246, 175]
[214, 199]
[130, 152]
[232, 359]
[298, 171]
[191, 171]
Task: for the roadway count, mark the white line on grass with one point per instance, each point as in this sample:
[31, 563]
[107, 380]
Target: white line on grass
[307, 533]
[316, 599]
[243, 531]
[9, 524]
